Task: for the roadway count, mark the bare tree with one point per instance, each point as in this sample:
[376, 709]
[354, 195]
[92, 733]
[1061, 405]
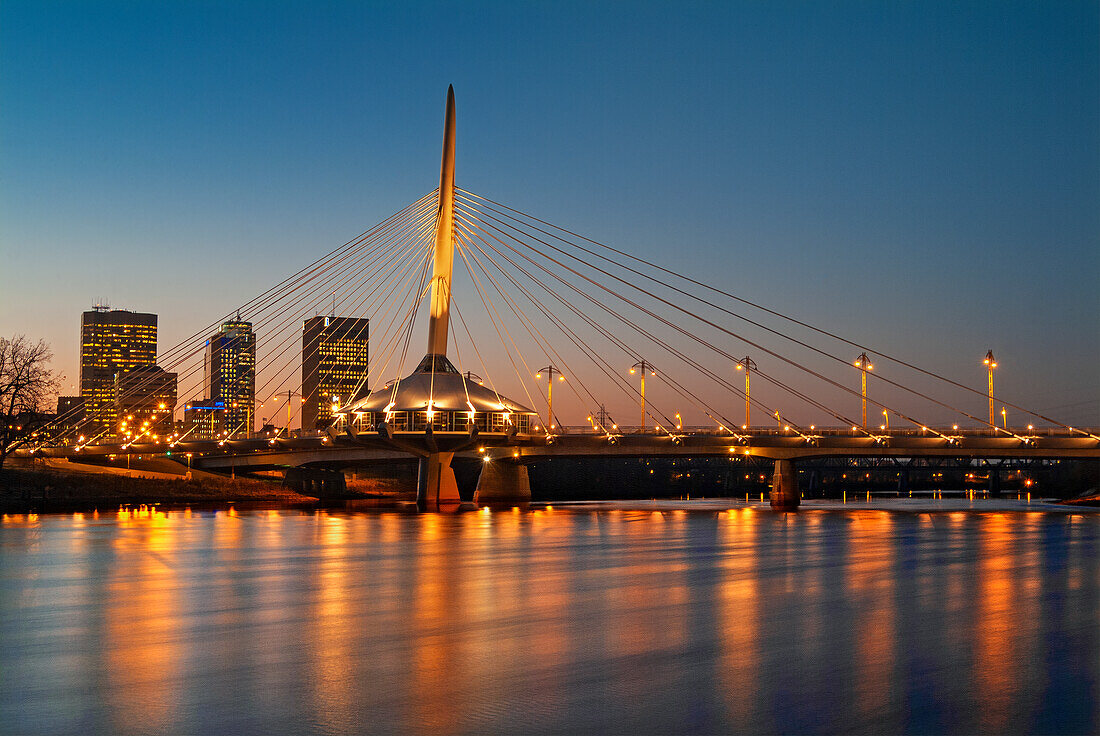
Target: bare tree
[26, 385]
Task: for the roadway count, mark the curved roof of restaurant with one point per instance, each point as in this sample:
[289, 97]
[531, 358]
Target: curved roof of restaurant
[436, 379]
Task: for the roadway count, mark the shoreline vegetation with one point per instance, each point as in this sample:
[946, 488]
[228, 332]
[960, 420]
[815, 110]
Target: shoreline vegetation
[60, 486]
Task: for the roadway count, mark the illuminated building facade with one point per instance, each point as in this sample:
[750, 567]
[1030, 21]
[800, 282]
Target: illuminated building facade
[204, 420]
[334, 366]
[145, 403]
[231, 375]
[112, 341]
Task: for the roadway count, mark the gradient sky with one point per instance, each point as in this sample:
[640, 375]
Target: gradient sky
[921, 176]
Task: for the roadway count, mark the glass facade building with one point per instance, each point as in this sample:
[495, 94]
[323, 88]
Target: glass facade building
[112, 341]
[230, 375]
[145, 403]
[334, 366]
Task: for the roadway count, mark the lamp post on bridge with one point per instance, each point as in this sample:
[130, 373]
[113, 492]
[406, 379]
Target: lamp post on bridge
[748, 365]
[990, 363]
[550, 372]
[864, 365]
[642, 366]
[290, 394]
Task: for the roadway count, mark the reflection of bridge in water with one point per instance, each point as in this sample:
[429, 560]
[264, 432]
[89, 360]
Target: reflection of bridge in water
[606, 308]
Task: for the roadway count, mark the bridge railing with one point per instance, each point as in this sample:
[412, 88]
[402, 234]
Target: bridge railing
[931, 431]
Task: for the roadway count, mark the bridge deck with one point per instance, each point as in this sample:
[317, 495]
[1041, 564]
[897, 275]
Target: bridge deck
[370, 447]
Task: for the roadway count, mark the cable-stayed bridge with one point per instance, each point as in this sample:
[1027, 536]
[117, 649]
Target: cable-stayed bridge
[542, 314]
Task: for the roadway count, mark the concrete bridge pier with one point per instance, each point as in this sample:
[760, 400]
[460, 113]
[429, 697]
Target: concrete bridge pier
[436, 487]
[502, 482]
[815, 483]
[994, 481]
[784, 493]
[316, 482]
[903, 481]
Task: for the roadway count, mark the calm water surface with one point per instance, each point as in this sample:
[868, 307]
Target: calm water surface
[672, 618]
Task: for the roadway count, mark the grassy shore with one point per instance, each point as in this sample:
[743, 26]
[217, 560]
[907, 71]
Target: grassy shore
[36, 486]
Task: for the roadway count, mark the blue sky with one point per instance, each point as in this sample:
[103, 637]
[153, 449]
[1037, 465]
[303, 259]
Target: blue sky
[921, 176]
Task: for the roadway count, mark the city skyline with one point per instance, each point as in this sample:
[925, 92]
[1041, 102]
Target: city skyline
[924, 181]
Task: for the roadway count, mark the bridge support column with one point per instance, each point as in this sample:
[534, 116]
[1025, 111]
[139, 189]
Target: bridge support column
[316, 482]
[903, 481]
[994, 481]
[503, 482]
[784, 493]
[436, 487]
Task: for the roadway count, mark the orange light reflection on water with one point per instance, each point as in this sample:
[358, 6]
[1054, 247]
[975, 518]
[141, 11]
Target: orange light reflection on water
[487, 621]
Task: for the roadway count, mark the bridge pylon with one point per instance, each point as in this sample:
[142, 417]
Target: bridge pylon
[438, 410]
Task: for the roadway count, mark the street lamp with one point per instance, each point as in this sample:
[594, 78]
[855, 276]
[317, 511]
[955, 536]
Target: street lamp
[1004, 417]
[887, 425]
[990, 363]
[748, 365]
[864, 365]
[550, 372]
[290, 394]
[643, 366]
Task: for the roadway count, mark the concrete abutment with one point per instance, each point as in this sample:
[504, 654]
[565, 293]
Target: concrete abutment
[503, 482]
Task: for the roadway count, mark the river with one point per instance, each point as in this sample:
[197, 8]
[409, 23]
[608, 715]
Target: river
[667, 617]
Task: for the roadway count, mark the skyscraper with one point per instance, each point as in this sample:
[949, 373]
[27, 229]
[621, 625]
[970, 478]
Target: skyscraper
[334, 366]
[111, 341]
[231, 374]
[145, 403]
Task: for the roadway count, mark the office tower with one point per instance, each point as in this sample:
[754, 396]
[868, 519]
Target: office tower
[111, 341]
[334, 366]
[145, 403]
[204, 420]
[231, 374]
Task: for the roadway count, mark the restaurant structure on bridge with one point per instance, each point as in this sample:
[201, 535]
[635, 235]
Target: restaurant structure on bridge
[436, 395]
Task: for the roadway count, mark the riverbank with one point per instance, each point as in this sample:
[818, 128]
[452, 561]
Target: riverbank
[57, 485]
[64, 486]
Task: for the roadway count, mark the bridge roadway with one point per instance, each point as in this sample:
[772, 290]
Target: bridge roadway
[508, 455]
[336, 450]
